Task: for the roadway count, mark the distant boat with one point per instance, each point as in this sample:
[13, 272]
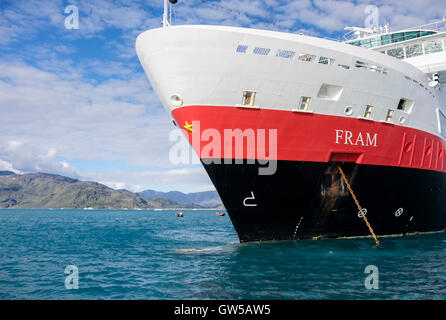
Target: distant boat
[179, 214]
[88, 208]
[220, 214]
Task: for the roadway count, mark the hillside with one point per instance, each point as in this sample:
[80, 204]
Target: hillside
[41, 190]
[204, 199]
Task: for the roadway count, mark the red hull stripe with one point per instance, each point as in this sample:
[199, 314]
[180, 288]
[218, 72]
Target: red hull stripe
[297, 136]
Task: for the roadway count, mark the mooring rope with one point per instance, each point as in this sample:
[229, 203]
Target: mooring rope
[358, 205]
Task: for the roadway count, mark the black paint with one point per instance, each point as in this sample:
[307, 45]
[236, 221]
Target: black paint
[313, 194]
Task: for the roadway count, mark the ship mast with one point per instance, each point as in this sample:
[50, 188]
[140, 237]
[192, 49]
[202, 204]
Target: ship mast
[166, 20]
[166, 9]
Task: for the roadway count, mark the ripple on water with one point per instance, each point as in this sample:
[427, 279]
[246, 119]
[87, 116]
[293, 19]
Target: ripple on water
[154, 255]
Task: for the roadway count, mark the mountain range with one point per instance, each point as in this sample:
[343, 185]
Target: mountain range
[43, 190]
[204, 198]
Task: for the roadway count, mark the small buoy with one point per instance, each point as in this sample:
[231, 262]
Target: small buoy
[179, 214]
[220, 214]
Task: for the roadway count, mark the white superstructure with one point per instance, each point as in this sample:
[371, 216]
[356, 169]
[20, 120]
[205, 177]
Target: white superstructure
[215, 65]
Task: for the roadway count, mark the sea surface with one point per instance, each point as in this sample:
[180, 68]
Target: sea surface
[147, 254]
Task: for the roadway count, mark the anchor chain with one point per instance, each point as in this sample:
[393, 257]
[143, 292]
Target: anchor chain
[358, 205]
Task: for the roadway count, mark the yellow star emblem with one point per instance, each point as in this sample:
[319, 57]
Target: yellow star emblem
[188, 126]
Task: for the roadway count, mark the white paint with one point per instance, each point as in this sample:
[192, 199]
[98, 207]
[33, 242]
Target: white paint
[252, 197]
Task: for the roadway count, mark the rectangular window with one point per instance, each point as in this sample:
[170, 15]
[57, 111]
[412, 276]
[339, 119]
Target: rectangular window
[330, 92]
[397, 37]
[242, 49]
[306, 57]
[248, 98]
[442, 123]
[368, 112]
[412, 34]
[374, 68]
[305, 103]
[386, 39]
[389, 116]
[433, 46]
[396, 53]
[343, 66]
[366, 43]
[361, 64]
[261, 51]
[325, 60]
[376, 41]
[285, 54]
[414, 50]
[405, 105]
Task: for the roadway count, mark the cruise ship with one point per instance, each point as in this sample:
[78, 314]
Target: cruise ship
[278, 118]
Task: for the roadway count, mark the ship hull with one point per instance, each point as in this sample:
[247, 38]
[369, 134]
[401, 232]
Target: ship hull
[399, 177]
[307, 200]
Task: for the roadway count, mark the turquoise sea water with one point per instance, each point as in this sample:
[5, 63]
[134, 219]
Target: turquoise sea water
[155, 255]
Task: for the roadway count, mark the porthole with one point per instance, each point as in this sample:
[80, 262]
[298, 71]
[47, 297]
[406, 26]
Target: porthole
[176, 100]
[348, 110]
[402, 120]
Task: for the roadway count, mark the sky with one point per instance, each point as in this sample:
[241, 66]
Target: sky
[76, 102]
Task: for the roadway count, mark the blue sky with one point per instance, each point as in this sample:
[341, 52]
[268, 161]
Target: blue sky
[76, 102]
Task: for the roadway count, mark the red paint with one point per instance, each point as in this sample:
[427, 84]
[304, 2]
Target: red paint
[312, 137]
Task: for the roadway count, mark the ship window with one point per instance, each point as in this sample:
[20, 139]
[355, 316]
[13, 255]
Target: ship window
[242, 49]
[248, 98]
[427, 33]
[397, 53]
[386, 39]
[361, 64]
[306, 57]
[405, 105]
[397, 37]
[330, 92]
[368, 111]
[325, 60]
[389, 115]
[442, 123]
[261, 51]
[412, 34]
[376, 41]
[355, 43]
[433, 46]
[304, 103]
[366, 43]
[374, 68]
[414, 50]
[285, 54]
[344, 66]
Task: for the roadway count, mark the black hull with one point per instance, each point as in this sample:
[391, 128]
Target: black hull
[305, 200]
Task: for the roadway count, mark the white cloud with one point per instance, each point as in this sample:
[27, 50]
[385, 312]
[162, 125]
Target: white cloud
[7, 166]
[184, 179]
[24, 158]
[115, 119]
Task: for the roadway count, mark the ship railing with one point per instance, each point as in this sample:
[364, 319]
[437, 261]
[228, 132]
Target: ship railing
[438, 26]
